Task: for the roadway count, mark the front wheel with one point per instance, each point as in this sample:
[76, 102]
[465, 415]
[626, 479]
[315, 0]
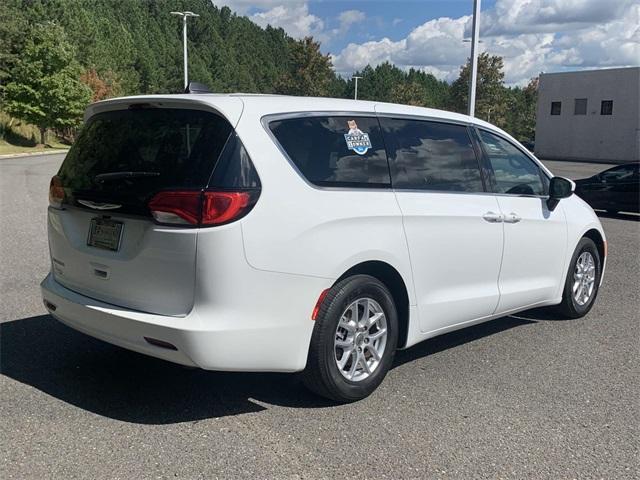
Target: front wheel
[583, 280]
[354, 340]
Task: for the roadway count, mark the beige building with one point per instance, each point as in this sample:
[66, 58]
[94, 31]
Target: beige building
[589, 115]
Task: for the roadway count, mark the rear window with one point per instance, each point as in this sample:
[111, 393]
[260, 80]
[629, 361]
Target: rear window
[335, 151]
[126, 156]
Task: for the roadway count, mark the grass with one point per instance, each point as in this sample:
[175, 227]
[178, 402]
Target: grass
[8, 148]
[17, 136]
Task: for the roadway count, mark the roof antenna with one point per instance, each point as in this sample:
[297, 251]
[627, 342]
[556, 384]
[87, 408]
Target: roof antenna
[195, 87]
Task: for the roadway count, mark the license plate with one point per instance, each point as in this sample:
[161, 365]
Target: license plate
[105, 233]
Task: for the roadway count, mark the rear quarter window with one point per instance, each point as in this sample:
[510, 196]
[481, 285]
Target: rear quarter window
[335, 151]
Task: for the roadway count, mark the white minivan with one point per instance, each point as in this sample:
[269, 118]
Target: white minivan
[315, 235]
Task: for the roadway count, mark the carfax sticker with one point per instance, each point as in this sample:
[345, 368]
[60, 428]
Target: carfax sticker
[356, 139]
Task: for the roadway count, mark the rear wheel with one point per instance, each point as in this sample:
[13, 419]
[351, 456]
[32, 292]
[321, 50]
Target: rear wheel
[354, 340]
[583, 280]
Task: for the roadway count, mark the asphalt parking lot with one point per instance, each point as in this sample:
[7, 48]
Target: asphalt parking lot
[529, 396]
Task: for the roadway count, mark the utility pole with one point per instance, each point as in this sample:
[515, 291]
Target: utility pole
[475, 33]
[355, 96]
[184, 16]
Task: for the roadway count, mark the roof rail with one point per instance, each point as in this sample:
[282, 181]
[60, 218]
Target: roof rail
[195, 87]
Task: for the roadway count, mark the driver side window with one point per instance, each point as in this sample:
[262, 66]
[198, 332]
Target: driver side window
[515, 173]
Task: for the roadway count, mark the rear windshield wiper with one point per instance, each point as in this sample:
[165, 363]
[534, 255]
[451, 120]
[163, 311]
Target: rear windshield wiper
[106, 177]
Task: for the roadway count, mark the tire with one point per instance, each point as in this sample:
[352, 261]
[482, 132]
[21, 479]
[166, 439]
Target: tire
[570, 306]
[322, 374]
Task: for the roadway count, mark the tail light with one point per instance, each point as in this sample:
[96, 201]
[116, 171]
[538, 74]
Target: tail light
[56, 192]
[201, 208]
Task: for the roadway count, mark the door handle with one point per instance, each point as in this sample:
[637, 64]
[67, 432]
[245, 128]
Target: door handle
[492, 217]
[512, 218]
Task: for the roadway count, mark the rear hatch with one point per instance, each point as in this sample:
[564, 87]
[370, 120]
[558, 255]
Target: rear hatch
[103, 240]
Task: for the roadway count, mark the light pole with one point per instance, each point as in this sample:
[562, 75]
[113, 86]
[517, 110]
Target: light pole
[355, 96]
[475, 33]
[184, 16]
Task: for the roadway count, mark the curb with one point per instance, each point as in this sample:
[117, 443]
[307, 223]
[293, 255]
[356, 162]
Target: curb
[32, 154]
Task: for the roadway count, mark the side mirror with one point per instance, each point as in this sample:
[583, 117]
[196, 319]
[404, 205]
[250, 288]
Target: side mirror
[559, 188]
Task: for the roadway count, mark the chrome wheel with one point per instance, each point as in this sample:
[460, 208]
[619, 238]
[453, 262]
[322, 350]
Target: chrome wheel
[584, 278]
[360, 340]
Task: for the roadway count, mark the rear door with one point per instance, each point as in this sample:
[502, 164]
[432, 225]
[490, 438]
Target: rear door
[452, 224]
[535, 238]
[103, 241]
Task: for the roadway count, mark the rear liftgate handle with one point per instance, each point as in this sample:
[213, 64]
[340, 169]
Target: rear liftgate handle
[493, 217]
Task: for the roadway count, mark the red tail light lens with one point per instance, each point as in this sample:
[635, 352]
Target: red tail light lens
[56, 192]
[203, 209]
[223, 207]
[177, 207]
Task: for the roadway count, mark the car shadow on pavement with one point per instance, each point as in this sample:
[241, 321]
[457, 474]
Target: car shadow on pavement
[634, 217]
[127, 386]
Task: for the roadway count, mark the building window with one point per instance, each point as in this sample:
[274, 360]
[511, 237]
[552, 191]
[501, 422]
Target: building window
[580, 106]
[556, 107]
[606, 107]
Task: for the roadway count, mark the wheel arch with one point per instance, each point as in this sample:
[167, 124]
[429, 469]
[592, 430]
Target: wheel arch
[597, 238]
[393, 280]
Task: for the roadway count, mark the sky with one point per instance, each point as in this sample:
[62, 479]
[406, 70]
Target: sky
[532, 36]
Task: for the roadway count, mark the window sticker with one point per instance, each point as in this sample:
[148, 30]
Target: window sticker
[356, 139]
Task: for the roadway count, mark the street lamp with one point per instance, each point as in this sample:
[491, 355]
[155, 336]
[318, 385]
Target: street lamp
[355, 96]
[184, 16]
[475, 33]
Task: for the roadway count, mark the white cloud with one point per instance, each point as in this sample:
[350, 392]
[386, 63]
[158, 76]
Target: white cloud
[294, 18]
[547, 16]
[346, 20]
[349, 18]
[242, 7]
[436, 44]
[531, 35]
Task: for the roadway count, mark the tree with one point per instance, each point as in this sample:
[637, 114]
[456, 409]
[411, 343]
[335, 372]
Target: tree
[102, 87]
[436, 92]
[490, 91]
[13, 27]
[408, 93]
[45, 87]
[309, 72]
[377, 83]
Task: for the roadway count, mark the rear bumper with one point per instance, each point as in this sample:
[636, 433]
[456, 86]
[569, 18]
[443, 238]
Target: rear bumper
[269, 344]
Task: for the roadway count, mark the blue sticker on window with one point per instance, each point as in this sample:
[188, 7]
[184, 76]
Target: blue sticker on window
[356, 139]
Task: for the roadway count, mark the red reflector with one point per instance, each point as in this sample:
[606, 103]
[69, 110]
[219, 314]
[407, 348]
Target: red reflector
[321, 298]
[56, 192]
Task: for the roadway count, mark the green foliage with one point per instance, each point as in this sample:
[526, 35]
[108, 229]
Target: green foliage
[309, 71]
[388, 83]
[513, 109]
[408, 93]
[45, 89]
[126, 47]
[521, 111]
[490, 91]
